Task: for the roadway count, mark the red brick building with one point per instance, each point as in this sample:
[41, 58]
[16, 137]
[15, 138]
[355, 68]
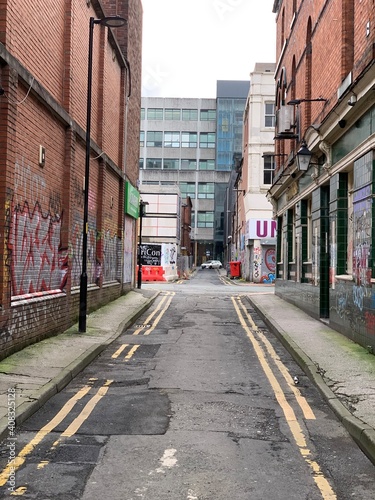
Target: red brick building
[43, 107]
[325, 105]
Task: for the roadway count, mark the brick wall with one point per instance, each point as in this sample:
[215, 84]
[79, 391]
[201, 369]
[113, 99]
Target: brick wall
[44, 75]
[339, 44]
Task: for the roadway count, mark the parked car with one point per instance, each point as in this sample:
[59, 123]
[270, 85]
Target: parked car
[212, 264]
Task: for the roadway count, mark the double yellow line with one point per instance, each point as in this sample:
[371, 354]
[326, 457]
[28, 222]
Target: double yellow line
[48, 428]
[146, 330]
[251, 329]
[166, 302]
[122, 348]
[19, 460]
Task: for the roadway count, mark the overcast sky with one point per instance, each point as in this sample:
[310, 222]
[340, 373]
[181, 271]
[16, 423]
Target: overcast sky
[189, 44]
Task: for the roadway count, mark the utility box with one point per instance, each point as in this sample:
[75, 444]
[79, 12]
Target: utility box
[235, 269]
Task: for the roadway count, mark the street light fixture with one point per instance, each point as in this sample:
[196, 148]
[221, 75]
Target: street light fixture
[296, 102]
[303, 157]
[110, 22]
[142, 213]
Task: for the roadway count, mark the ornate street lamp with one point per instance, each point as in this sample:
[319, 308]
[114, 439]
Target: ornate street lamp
[303, 157]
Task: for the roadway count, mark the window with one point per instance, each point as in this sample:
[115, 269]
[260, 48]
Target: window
[189, 140]
[141, 163]
[207, 140]
[193, 219]
[362, 248]
[269, 114]
[143, 114]
[205, 219]
[306, 233]
[309, 230]
[141, 138]
[188, 165]
[154, 139]
[155, 113]
[350, 229]
[170, 164]
[152, 163]
[206, 164]
[171, 139]
[268, 168]
[172, 114]
[208, 114]
[279, 248]
[190, 114]
[291, 227]
[187, 189]
[206, 190]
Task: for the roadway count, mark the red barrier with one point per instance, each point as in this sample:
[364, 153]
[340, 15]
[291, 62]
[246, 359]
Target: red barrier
[153, 273]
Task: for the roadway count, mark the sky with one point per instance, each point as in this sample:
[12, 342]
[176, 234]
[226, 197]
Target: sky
[190, 44]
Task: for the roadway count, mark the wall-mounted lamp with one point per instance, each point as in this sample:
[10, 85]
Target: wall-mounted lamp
[353, 100]
[303, 157]
[295, 102]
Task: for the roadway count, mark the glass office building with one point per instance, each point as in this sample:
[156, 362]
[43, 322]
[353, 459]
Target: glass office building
[191, 143]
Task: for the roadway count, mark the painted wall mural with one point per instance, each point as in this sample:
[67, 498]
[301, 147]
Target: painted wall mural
[264, 264]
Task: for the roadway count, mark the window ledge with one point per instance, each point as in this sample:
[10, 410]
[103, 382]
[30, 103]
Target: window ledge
[345, 277]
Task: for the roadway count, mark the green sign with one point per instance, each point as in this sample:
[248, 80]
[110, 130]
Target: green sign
[131, 200]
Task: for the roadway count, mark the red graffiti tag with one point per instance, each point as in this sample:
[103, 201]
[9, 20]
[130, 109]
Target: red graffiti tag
[37, 261]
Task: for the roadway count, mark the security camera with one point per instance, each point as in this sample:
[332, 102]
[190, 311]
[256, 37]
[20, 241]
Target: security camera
[352, 101]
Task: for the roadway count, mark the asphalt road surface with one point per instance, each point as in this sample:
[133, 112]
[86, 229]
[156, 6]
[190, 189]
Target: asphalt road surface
[197, 401]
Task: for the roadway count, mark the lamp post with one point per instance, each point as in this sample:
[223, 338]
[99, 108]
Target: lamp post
[142, 213]
[111, 22]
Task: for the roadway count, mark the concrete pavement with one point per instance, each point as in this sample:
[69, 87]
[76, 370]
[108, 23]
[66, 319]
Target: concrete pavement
[342, 370]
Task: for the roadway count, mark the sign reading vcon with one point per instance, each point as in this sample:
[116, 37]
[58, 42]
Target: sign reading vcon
[262, 228]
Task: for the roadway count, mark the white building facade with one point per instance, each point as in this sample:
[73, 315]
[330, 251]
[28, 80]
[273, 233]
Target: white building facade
[255, 238]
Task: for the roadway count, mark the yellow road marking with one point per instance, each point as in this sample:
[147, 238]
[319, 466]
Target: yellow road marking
[18, 492]
[131, 352]
[42, 464]
[86, 412]
[294, 426]
[27, 449]
[119, 351]
[147, 332]
[149, 318]
[304, 405]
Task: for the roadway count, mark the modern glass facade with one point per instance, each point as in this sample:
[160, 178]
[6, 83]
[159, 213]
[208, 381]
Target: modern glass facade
[191, 143]
[230, 106]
